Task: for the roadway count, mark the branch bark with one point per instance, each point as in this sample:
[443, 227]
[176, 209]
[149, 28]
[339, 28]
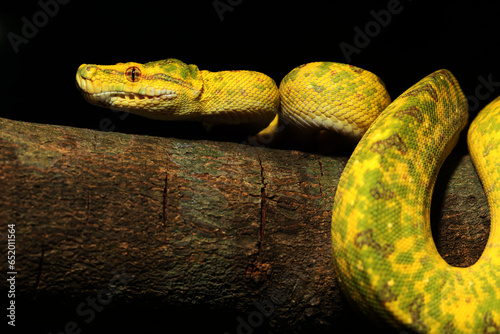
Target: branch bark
[231, 237]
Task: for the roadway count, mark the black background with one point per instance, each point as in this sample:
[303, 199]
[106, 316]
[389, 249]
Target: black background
[37, 83]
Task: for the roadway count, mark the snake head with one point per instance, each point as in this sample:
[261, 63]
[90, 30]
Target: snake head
[166, 89]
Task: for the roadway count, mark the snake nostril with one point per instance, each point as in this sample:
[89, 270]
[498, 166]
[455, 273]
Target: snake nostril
[87, 71]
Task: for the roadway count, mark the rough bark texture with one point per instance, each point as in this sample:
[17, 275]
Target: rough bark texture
[115, 231]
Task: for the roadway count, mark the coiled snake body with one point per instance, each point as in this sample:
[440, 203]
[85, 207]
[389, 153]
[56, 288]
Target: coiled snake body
[383, 251]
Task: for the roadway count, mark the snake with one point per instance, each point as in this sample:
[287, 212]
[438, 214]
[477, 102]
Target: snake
[384, 256]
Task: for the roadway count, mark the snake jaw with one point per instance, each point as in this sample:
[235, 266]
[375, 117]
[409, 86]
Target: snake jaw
[122, 98]
[120, 95]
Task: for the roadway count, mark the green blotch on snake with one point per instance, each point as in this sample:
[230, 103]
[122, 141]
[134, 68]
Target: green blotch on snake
[405, 257]
[340, 77]
[291, 76]
[322, 69]
[369, 92]
[189, 71]
[317, 88]
[167, 67]
[231, 92]
[261, 88]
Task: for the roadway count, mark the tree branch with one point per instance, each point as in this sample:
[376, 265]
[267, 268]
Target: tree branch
[194, 227]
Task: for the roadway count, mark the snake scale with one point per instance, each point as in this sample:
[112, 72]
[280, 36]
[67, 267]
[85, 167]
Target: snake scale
[383, 252]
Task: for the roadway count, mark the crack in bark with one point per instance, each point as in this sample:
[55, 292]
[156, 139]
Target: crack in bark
[88, 205]
[39, 273]
[263, 205]
[321, 176]
[165, 200]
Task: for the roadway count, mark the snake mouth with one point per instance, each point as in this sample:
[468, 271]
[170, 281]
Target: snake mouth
[119, 95]
[118, 98]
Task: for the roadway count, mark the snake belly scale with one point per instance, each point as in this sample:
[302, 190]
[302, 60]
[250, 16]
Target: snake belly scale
[383, 252]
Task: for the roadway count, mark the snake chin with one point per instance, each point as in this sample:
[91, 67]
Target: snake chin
[128, 100]
[121, 96]
[124, 98]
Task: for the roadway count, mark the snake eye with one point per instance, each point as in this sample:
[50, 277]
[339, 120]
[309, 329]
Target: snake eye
[133, 74]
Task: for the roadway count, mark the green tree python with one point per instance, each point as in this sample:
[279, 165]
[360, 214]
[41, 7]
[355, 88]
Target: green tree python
[383, 252]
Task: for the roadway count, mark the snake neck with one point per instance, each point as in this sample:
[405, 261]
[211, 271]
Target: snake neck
[235, 97]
